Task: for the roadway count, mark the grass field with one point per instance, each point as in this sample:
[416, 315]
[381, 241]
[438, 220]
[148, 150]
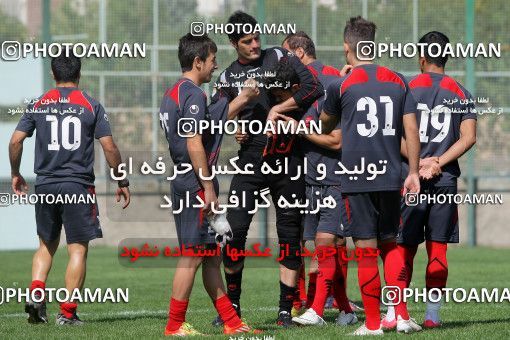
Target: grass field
[149, 290]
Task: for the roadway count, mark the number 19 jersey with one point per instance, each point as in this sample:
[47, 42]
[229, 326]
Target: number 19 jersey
[370, 102]
[442, 105]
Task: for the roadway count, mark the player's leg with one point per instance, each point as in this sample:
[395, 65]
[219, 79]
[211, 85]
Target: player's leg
[310, 224]
[395, 272]
[411, 234]
[346, 315]
[49, 224]
[239, 219]
[213, 283]
[41, 266]
[74, 280]
[325, 248]
[362, 216]
[192, 232]
[326, 259]
[288, 227]
[442, 228]
[313, 272]
[81, 225]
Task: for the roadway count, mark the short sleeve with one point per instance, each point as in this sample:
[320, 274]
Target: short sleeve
[27, 122]
[410, 104]
[102, 124]
[221, 89]
[194, 110]
[332, 105]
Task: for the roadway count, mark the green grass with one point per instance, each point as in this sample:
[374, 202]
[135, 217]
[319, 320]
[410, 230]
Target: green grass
[149, 291]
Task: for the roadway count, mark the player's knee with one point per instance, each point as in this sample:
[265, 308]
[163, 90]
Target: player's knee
[290, 256]
[234, 267]
[78, 250]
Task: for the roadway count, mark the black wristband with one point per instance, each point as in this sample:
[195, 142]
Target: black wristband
[123, 183]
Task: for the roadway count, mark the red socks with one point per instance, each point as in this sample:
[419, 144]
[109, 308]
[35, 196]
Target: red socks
[408, 253]
[68, 309]
[340, 281]
[176, 314]
[437, 267]
[395, 274]
[38, 284]
[312, 287]
[326, 257]
[370, 288]
[227, 312]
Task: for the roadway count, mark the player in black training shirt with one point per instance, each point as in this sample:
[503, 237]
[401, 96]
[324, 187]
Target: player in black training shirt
[186, 102]
[447, 121]
[374, 105]
[322, 226]
[67, 120]
[252, 60]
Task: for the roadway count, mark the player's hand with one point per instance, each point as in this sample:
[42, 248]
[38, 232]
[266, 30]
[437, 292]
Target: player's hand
[210, 198]
[345, 70]
[19, 186]
[250, 89]
[124, 193]
[273, 117]
[241, 137]
[222, 228]
[291, 121]
[411, 184]
[429, 168]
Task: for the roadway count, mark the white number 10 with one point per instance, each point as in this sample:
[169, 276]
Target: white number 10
[66, 122]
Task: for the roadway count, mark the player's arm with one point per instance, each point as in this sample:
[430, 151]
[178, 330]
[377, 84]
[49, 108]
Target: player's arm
[412, 142]
[466, 141]
[103, 133]
[195, 145]
[112, 155]
[310, 89]
[19, 186]
[249, 92]
[331, 141]
[198, 159]
[403, 147]
[331, 110]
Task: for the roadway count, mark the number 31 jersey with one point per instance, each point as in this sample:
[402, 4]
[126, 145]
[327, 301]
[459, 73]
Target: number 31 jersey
[370, 102]
[442, 105]
[66, 121]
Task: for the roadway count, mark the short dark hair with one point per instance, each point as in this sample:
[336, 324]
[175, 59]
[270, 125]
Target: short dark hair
[66, 68]
[439, 38]
[191, 46]
[284, 72]
[301, 39]
[358, 29]
[240, 19]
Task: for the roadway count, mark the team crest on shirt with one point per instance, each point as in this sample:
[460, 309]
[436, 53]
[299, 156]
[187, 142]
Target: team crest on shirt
[105, 117]
[193, 109]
